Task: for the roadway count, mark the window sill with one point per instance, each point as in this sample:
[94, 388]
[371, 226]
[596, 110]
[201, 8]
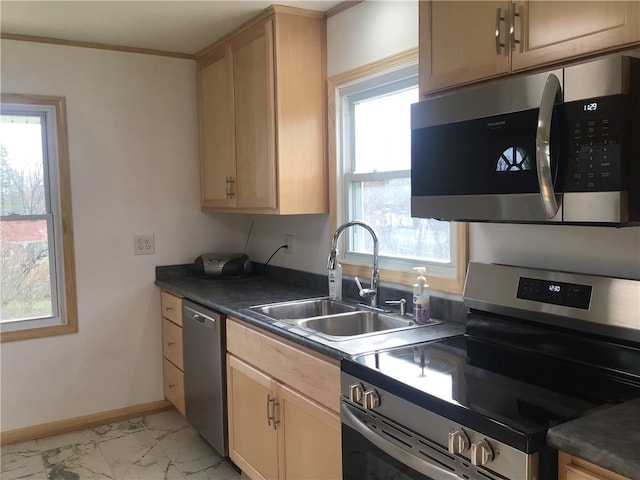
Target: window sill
[27, 333]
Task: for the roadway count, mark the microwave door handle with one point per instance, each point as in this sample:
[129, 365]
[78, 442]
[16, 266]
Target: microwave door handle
[543, 139]
[418, 464]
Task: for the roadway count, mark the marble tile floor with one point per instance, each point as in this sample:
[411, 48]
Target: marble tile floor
[154, 447]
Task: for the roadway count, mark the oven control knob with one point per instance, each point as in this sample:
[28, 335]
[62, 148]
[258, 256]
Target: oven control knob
[371, 400]
[481, 453]
[458, 442]
[355, 392]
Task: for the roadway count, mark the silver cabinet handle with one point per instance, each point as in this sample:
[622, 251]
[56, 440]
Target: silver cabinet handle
[543, 139]
[512, 28]
[271, 411]
[229, 186]
[499, 18]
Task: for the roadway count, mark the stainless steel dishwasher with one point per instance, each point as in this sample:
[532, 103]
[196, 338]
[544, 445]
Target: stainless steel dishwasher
[205, 373]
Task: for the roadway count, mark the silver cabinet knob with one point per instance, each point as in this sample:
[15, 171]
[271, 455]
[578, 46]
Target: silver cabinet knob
[371, 400]
[481, 453]
[458, 442]
[355, 392]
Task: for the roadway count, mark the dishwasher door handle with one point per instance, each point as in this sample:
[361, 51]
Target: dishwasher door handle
[201, 319]
[206, 320]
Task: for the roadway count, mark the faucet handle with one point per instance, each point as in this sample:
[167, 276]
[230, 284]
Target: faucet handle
[403, 305]
[365, 292]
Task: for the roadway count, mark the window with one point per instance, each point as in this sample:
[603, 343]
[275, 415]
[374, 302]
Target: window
[37, 290]
[371, 149]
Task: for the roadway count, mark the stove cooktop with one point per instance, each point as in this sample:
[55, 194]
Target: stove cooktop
[478, 383]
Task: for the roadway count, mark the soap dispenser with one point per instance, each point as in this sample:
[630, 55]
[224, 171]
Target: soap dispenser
[421, 298]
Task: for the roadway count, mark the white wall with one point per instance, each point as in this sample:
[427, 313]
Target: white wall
[133, 144]
[370, 31]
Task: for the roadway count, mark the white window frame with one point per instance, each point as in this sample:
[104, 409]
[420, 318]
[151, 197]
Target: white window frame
[343, 88]
[52, 111]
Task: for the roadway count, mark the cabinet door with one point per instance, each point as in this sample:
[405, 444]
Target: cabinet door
[253, 73]
[173, 379]
[217, 132]
[558, 30]
[172, 343]
[458, 44]
[253, 442]
[311, 447]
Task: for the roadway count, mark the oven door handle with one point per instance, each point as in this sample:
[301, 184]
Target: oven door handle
[418, 464]
[551, 92]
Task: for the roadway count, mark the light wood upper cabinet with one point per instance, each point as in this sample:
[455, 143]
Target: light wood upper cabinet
[255, 120]
[457, 45]
[463, 42]
[558, 30]
[215, 81]
[262, 116]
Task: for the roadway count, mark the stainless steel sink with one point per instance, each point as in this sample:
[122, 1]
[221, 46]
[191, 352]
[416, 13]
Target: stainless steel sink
[298, 309]
[332, 319]
[354, 323]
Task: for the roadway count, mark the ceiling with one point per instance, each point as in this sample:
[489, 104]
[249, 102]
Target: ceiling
[179, 26]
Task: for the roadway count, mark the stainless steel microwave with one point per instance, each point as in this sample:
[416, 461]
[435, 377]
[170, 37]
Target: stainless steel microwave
[561, 146]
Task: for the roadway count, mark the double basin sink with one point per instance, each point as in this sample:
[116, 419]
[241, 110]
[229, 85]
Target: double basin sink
[333, 319]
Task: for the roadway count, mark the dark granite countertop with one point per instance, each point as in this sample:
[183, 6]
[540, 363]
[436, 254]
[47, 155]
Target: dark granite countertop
[609, 437]
[234, 296]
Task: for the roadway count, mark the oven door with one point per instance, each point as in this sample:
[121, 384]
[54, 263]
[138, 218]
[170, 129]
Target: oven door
[368, 455]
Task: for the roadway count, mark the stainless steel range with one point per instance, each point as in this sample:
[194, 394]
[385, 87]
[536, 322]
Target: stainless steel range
[540, 348]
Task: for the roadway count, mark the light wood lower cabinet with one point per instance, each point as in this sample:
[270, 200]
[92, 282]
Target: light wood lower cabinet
[312, 447]
[172, 352]
[253, 442]
[573, 468]
[173, 385]
[277, 430]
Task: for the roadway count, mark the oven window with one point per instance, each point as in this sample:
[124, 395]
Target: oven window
[362, 460]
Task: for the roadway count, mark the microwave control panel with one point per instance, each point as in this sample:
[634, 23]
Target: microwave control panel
[595, 144]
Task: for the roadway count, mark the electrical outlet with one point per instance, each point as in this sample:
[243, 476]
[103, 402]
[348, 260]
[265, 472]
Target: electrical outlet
[288, 241]
[144, 244]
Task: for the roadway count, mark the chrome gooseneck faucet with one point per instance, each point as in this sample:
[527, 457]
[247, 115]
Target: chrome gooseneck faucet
[372, 291]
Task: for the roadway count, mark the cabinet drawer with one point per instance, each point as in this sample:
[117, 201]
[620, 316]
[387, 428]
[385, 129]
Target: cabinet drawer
[172, 343]
[574, 468]
[173, 385]
[311, 374]
[171, 307]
